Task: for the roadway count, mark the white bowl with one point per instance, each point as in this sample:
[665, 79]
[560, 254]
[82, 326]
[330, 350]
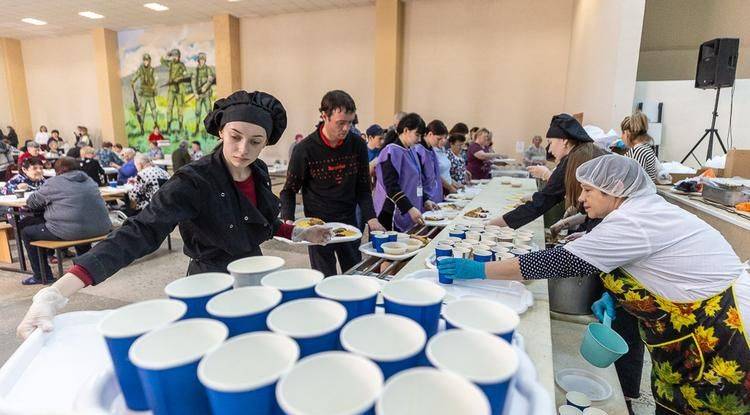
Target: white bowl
[428, 391]
[331, 383]
[394, 248]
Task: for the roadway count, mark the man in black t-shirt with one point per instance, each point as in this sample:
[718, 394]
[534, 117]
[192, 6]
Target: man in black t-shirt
[331, 169]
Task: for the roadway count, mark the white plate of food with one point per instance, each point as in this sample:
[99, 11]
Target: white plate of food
[368, 249]
[341, 232]
[453, 205]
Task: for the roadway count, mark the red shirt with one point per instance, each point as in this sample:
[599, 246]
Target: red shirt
[26, 155]
[152, 138]
[246, 187]
[328, 143]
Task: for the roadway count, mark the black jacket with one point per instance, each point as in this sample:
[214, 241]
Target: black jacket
[180, 157]
[218, 224]
[94, 170]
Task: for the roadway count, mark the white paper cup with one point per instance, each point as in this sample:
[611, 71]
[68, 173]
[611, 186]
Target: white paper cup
[250, 270]
[428, 391]
[330, 383]
[461, 252]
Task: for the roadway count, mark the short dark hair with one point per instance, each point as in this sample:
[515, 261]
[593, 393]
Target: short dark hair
[118, 145]
[474, 129]
[460, 128]
[196, 142]
[32, 161]
[437, 127]
[411, 121]
[337, 100]
[50, 140]
[66, 164]
[106, 144]
[54, 131]
[456, 137]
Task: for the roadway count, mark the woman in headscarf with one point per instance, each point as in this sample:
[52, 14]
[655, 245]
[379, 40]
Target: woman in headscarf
[676, 274]
[222, 203]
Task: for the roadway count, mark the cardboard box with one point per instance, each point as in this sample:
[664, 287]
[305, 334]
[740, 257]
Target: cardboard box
[738, 163]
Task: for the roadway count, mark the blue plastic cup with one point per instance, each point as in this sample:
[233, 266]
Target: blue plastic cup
[443, 250]
[427, 391]
[167, 361]
[393, 342]
[241, 376]
[330, 383]
[443, 279]
[482, 256]
[602, 346]
[482, 314]
[492, 365]
[357, 294]
[314, 323]
[122, 327]
[373, 233]
[196, 290]
[418, 300]
[244, 309]
[378, 241]
[249, 271]
[455, 233]
[392, 236]
[294, 283]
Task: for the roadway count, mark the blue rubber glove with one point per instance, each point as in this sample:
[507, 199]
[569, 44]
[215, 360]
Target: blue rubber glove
[461, 269]
[602, 305]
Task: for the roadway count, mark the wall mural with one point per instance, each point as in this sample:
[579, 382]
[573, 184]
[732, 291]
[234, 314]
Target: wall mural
[168, 81]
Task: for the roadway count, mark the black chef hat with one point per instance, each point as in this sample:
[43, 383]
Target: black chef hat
[565, 126]
[256, 107]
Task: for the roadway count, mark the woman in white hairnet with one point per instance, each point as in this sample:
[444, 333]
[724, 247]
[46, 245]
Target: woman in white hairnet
[677, 275]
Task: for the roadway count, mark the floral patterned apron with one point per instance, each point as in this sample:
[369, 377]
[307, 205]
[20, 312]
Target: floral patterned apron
[700, 356]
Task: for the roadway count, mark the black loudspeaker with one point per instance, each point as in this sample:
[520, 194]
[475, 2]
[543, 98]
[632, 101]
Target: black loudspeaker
[717, 63]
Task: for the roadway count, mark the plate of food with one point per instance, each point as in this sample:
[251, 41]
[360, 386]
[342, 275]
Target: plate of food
[477, 213]
[341, 231]
[438, 218]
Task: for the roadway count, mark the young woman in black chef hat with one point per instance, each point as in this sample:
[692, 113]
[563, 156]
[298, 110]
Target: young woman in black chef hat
[222, 203]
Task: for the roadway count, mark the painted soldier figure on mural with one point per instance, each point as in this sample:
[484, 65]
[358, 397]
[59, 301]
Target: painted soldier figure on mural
[175, 92]
[145, 99]
[204, 79]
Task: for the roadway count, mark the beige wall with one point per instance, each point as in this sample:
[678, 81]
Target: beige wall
[493, 63]
[673, 30]
[61, 82]
[299, 57]
[603, 60]
[4, 94]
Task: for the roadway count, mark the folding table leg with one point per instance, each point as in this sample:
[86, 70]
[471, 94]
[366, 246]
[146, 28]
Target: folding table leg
[42, 258]
[59, 255]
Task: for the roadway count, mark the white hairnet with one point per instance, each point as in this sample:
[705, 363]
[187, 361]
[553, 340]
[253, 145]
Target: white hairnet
[616, 175]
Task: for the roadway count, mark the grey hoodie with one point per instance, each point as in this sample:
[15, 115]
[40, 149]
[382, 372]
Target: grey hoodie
[73, 207]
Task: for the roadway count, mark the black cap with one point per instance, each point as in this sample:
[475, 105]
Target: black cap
[256, 107]
[565, 126]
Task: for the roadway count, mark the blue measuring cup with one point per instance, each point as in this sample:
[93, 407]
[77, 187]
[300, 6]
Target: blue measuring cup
[602, 346]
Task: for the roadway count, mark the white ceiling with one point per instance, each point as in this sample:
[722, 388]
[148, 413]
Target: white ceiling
[62, 15]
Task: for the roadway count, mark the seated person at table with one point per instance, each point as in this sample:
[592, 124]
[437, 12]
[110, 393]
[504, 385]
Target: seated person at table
[147, 182]
[73, 209]
[117, 148]
[107, 157]
[32, 150]
[480, 154]
[180, 156]
[29, 178]
[154, 152]
[53, 146]
[91, 166]
[128, 169]
[155, 136]
[535, 154]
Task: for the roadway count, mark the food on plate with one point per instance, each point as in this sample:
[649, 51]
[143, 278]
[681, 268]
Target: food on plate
[425, 240]
[744, 207]
[477, 213]
[343, 233]
[448, 206]
[308, 222]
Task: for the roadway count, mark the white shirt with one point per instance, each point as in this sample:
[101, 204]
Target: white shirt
[41, 137]
[444, 165]
[670, 251]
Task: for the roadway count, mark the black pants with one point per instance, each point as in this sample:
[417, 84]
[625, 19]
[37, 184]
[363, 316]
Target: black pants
[630, 366]
[39, 232]
[323, 258]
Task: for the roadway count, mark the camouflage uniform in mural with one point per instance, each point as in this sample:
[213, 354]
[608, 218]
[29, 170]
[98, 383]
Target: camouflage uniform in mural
[204, 79]
[146, 91]
[175, 92]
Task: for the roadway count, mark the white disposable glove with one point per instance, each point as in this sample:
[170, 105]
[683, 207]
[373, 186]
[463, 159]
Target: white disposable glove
[539, 172]
[45, 304]
[567, 223]
[317, 235]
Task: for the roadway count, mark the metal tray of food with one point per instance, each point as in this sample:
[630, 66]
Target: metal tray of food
[728, 195]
